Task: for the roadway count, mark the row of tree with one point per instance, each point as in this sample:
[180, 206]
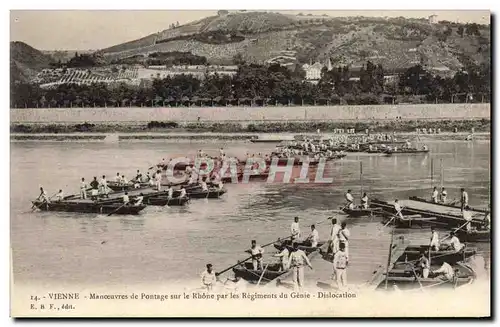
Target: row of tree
[262, 85]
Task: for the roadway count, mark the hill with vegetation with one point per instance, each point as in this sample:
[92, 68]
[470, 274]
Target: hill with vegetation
[258, 36]
[26, 61]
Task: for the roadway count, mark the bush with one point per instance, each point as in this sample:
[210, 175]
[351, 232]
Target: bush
[168, 124]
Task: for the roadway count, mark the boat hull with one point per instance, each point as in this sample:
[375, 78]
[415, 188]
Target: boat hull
[416, 198]
[304, 246]
[247, 272]
[90, 207]
[412, 253]
[361, 212]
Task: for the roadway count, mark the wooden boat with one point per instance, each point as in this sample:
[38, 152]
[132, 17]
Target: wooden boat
[404, 151]
[246, 271]
[154, 200]
[410, 221]
[253, 177]
[88, 206]
[412, 253]
[212, 193]
[446, 216]
[266, 140]
[405, 277]
[164, 200]
[359, 212]
[416, 198]
[115, 186]
[304, 246]
[475, 235]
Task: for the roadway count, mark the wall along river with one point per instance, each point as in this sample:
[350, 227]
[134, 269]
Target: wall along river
[170, 245]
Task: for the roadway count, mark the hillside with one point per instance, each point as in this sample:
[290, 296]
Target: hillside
[259, 36]
[26, 61]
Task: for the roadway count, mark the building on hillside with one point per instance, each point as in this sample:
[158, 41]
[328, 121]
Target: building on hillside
[433, 19]
[197, 71]
[313, 72]
[285, 61]
[442, 71]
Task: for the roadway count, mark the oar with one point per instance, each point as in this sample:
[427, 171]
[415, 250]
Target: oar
[416, 276]
[115, 211]
[456, 229]
[262, 275]
[250, 257]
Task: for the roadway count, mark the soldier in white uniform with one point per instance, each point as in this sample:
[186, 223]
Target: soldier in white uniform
[297, 260]
[208, 278]
[83, 189]
[340, 262]
[295, 229]
[257, 252]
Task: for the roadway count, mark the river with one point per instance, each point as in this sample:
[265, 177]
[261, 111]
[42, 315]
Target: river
[170, 244]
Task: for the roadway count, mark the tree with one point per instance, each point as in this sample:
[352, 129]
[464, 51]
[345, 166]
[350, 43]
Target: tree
[222, 12]
[460, 30]
[238, 59]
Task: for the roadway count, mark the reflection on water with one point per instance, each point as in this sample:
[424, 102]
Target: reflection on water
[168, 244]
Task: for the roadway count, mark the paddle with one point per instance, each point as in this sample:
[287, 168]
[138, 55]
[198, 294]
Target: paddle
[250, 257]
[416, 276]
[456, 229]
[262, 275]
[115, 211]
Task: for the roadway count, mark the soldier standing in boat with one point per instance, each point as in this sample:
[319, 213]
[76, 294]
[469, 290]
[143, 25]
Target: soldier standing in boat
[464, 199]
[103, 186]
[434, 243]
[183, 192]
[296, 262]
[435, 194]
[170, 192]
[83, 189]
[340, 262]
[60, 196]
[343, 236]
[95, 189]
[313, 238]
[118, 179]
[424, 264]
[334, 237]
[467, 215]
[208, 278]
[398, 209]
[283, 255]
[43, 196]
[444, 194]
[350, 200]
[295, 229]
[257, 252]
[364, 201]
[158, 181]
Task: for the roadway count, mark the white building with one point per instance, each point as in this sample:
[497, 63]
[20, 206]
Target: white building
[433, 19]
[313, 72]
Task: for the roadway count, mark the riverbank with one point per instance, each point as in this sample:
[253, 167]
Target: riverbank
[248, 129]
[226, 137]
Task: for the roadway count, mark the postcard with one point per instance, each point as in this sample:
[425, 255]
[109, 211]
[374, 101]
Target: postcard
[250, 163]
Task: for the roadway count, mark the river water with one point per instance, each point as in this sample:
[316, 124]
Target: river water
[172, 244]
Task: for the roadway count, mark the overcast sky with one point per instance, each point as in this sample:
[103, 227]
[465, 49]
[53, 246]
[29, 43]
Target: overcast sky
[82, 30]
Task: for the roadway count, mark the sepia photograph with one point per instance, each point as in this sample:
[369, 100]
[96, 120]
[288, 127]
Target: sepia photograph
[250, 163]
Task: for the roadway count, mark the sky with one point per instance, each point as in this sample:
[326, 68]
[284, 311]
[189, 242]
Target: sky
[92, 30]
